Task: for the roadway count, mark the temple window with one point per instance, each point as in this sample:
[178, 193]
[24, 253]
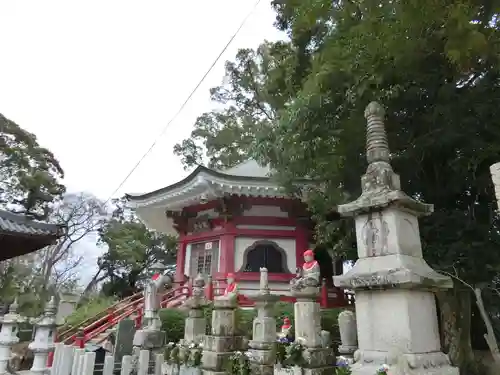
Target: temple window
[204, 256]
[265, 254]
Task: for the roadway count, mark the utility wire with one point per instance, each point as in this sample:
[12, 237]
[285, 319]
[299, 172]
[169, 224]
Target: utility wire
[185, 102]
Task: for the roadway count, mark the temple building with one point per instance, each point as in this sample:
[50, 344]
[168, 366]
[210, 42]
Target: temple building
[232, 221]
[20, 235]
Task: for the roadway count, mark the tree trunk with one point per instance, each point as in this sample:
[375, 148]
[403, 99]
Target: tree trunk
[455, 319]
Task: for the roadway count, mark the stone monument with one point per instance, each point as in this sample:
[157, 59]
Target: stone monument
[151, 337]
[263, 344]
[43, 342]
[306, 289]
[222, 341]
[348, 333]
[395, 306]
[196, 323]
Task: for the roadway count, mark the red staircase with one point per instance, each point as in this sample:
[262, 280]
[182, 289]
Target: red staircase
[94, 328]
[97, 328]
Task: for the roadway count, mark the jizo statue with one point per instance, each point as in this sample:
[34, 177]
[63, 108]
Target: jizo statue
[309, 275]
[231, 291]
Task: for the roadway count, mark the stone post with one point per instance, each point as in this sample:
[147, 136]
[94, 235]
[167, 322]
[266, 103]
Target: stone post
[348, 333]
[43, 342]
[196, 324]
[495, 176]
[222, 341]
[8, 335]
[263, 343]
[307, 312]
[395, 306]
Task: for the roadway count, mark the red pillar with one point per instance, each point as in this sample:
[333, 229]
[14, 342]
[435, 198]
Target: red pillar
[301, 244]
[181, 260]
[227, 249]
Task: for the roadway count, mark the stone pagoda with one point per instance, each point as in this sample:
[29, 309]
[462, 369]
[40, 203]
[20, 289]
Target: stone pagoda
[396, 314]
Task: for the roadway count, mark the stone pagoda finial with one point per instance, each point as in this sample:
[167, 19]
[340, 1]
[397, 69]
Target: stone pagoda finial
[51, 308]
[377, 147]
[380, 185]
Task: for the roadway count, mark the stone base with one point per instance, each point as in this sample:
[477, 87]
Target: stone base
[436, 363]
[319, 371]
[347, 351]
[222, 343]
[214, 361]
[211, 372]
[262, 357]
[261, 369]
[149, 339]
[318, 358]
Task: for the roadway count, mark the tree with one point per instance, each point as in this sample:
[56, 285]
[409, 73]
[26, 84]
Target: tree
[55, 268]
[131, 250]
[30, 174]
[435, 67]
[82, 214]
[258, 85]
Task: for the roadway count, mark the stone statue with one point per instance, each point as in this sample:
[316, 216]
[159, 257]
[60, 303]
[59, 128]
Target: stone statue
[286, 333]
[348, 332]
[309, 275]
[231, 291]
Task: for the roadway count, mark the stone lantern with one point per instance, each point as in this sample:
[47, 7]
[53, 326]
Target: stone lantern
[43, 343]
[8, 335]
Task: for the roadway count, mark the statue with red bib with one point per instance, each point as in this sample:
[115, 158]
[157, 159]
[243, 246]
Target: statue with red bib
[287, 334]
[309, 275]
[231, 291]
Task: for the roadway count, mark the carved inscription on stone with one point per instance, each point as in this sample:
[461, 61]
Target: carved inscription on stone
[375, 233]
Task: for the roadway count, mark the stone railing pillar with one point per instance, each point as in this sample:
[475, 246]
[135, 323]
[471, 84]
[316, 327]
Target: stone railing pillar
[263, 343]
[222, 341]
[308, 331]
[43, 342]
[196, 323]
[348, 333]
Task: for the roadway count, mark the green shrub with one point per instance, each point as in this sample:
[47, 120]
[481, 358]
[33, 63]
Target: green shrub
[244, 322]
[88, 310]
[172, 322]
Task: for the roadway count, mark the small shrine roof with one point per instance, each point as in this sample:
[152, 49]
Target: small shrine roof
[20, 234]
[24, 225]
[247, 178]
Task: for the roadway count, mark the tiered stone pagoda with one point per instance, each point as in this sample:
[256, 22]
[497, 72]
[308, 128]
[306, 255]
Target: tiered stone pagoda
[232, 221]
[20, 235]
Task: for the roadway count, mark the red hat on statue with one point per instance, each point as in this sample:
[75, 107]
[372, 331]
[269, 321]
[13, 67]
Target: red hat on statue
[308, 253]
[286, 321]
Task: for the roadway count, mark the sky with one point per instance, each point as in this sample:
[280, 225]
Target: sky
[97, 81]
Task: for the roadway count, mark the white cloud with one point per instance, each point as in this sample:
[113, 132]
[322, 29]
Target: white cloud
[96, 80]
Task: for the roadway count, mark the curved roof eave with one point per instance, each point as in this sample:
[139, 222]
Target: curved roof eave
[191, 177]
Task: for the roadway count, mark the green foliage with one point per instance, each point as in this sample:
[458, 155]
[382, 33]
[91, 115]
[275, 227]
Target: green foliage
[172, 322]
[257, 87]
[30, 174]
[131, 250]
[89, 309]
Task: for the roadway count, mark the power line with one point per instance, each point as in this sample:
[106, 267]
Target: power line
[186, 101]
